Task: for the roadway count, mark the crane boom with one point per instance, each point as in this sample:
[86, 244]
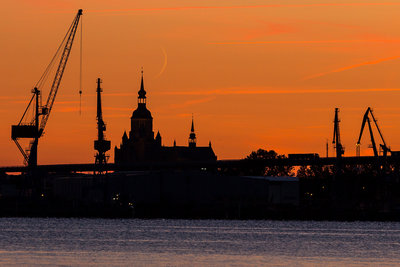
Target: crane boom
[35, 128]
[384, 146]
[60, 71]
[363, 125]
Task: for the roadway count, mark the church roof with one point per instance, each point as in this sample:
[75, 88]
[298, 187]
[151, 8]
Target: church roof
[141, 112]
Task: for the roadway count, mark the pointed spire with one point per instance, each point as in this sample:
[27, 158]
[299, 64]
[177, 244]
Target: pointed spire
[192, 135]
[142, 92]
[192, 130]
[142, 85]
[174, 142]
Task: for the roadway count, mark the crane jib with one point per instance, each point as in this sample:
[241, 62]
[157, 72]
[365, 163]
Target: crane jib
[35, 129]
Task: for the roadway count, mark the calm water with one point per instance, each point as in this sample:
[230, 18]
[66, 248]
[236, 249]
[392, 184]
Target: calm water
[131, 242]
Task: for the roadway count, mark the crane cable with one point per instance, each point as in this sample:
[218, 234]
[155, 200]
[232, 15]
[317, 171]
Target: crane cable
[44, 76]
[80, 72]
[40, 83]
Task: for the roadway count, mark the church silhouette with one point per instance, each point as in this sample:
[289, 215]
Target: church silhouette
[141, 146]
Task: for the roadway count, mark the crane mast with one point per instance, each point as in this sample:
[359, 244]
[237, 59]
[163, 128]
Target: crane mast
[101, 145]
[35, 128]
[336, 136]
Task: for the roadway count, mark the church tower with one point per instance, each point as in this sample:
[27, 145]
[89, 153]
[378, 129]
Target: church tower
[141, 146]
[141, 120]
[192, 136]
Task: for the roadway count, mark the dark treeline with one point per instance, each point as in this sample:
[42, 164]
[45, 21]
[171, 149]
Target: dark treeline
[370, 191]
[318, 192]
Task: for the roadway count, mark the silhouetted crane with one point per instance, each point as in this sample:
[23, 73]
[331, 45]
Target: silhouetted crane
[383, 146]
[101, 145]
[35, 127]
[336, 135]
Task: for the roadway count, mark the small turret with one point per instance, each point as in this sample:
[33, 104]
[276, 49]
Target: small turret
[124, 138]
[158, 139]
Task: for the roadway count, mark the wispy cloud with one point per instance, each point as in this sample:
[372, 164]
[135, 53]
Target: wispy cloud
[116, 116]
[184, 115]
[244, 7]
[66, 109]
[58, 102]
[118, 109]
[309, 42]
[67, 102]
[373, 62]
[242, 91]
[20, 101]
[192, 102]
[103, 94]
[120, 94]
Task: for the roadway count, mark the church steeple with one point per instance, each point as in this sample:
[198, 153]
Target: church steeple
[141, 120]
[192, 136]
[142, 92]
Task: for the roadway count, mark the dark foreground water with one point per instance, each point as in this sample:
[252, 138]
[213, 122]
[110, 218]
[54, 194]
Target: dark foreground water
[131, 242]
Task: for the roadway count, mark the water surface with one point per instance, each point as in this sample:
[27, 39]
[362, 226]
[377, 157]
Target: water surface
[133, 242]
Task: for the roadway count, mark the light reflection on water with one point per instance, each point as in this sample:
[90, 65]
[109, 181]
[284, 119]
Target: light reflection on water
[132, 242]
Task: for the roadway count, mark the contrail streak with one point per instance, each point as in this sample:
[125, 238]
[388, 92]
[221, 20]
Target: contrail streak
[193, 102]
[245, 7]
[277, 91]
[350, 67]
[310, 42]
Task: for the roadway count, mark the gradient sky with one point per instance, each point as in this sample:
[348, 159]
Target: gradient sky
[255, 74]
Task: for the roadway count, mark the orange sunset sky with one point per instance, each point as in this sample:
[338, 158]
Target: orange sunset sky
[255, 74]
